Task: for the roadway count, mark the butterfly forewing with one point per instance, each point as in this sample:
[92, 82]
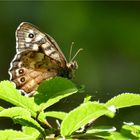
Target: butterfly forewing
[29, 37]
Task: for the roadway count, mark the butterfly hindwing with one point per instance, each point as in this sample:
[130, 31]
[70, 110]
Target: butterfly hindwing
[29, 68]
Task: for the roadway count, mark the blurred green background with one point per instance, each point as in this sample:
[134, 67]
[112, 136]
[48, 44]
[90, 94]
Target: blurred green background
[109, 33]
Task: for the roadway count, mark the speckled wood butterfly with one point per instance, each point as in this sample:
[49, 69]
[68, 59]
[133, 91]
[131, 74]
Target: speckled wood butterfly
[38, 57]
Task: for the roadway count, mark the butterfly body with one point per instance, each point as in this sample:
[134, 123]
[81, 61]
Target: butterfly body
[38, 58]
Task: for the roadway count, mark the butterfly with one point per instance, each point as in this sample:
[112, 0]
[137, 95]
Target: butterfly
[38, 57]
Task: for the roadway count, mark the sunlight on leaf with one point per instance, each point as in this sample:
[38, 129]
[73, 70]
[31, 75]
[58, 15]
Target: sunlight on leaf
[14, 112]
[81, 116]
[1, 108]
[31, 131]
[88, 98]
[14, 135]
[124, 100]
[13, 96]
[54, 114]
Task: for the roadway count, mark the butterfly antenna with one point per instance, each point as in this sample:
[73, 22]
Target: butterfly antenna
[76, 54]
[70, 54]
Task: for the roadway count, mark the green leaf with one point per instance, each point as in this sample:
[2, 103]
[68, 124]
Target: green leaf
[14, 135]
[124, 100]
[51, 91]
[54, 114]
[88, 98]
[14, 112]
[26, 121]
[10, 94]
[31, 131]
[112, 111]
[21, 116]
[131, 129]
[120, 136]
[99, 129]
[1, 108]
[81, 116]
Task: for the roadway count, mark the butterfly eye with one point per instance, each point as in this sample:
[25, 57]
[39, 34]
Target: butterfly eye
[31, 35]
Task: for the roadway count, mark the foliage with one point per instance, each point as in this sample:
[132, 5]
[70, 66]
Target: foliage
[32, 114]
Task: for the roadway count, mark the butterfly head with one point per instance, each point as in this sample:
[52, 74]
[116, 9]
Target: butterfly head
[72, 66]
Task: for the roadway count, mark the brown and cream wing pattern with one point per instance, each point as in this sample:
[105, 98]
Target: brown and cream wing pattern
[29, 37]
[38, 58]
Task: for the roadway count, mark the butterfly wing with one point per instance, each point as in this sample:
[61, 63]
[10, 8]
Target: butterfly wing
[30, 68]
[29, 37]
[38, 58]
